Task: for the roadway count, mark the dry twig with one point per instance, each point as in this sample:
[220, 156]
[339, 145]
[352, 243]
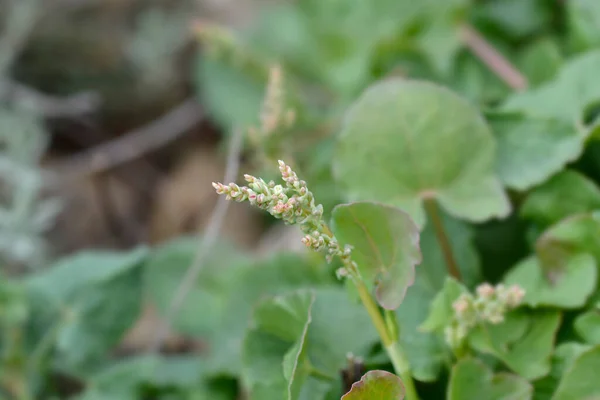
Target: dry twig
[133, 144]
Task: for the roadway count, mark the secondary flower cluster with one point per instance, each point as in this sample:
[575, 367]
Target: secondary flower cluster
[490, 305]
[292, 203]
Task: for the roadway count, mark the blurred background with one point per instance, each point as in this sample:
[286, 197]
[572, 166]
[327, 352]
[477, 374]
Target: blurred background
[116, 116]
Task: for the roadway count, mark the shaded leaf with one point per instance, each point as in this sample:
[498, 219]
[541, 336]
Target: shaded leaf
[587, 326]
[562, 359]
[531, 149]
[406, 141]
[428, 353]
[471, 379]
[571, 288]
[569, 192]
[540, 61]
[92, 298]
[273, 347]
[385, 246]
[376, 385]
[440, 309]
[580, 380]
[530, 351]
[272, 276]
[574, 235]
[268, 355]
[167, 267]
[584, 24]
[565, 98]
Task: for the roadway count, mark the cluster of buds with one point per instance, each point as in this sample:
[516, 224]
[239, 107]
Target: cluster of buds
[490, 305]
[295, 204]
[274, 114]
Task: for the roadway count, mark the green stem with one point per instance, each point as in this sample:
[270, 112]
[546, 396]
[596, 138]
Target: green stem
[442, 237]
[390, 342]
[402, 368]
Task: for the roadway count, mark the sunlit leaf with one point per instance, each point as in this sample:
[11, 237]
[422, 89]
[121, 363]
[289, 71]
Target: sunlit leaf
[406, 141]
[379, 385]
[385, 246]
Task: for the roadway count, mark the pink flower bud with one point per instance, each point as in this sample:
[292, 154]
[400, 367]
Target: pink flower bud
[485, 290]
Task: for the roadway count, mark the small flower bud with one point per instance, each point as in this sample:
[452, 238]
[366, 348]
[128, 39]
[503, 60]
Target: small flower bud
[485, 290]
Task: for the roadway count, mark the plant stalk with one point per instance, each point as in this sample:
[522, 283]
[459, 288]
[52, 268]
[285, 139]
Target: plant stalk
[442, 237]
[390, 342]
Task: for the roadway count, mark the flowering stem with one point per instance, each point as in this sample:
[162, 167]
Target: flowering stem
[442, 238]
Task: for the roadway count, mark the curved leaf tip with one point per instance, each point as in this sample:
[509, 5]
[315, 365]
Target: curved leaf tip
[380, 385]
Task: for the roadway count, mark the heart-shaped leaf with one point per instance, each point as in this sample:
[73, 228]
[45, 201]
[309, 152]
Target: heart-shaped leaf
[386, 247]
[406, 141]
[473, 380]
[565, 194]
[380, 385]
[531, 149]
[569, 289]
[580, 381]
[587, 326]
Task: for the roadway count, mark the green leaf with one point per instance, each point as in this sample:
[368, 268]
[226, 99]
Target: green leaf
[385, 246]
[406, 141]
[270, 352]
[515, 18]
[584, 24]
[530, 353]
[587, 326]
[379, 385]
[92, 299]
[574, 235]
[232, 96]
[569, 289]
[471, 379]
[581, 379]
[427, 353]
[540, 61]
[567, 193]
[440, 309]
[168, 265]
[278, 336]
[269, 277]
[531, 149]
[566, 98]
[562, 359]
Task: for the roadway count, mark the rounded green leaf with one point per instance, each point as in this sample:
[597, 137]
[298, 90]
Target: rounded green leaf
[587, 325]
[386, 247]
[581, 379]
[531, 149]
[406, 141]
[566, 193]
[380, 385]
[472, 380]
[569, 289]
